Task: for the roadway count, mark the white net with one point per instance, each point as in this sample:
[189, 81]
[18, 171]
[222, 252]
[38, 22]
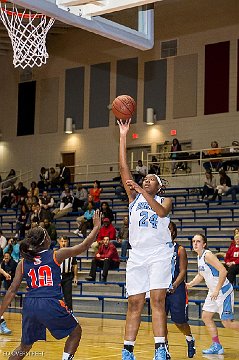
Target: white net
[27, 32]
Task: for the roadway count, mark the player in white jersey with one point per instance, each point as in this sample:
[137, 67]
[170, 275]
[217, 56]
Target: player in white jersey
[149, 267]
[220, 298]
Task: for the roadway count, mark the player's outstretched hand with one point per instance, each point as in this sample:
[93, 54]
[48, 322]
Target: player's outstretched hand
[124, 126]
[97, 219]
[134, 186]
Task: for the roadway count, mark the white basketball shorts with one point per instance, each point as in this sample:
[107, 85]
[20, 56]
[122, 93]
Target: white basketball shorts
[149, 269]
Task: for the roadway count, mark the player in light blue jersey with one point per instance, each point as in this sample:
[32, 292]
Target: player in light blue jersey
[149, 267]
[220, 297]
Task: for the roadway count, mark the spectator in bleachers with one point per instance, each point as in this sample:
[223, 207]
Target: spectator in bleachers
[233, 191]
[51, 230]
[223, 187]
[34, 215]
[80, 197]
[89, 200]
[13, 248]
[65, 205]
[9, 266]
[34, 189]
[31, 200]
[10, 180]
[175, 147]
[123, 238]
[232, 260]
[154, 167]
[106, 211]
[120, 191]
[64, 175]
[46, 204]
[21, 190]
[44, 179]
[9, 200]
[66, 190]
[107, 229]
[85, 221]
[95, 193]
[53, 177]
[140, 172]
[3, 240]
[106, 258]
[209, 185]
[22, 222]
[214, 152]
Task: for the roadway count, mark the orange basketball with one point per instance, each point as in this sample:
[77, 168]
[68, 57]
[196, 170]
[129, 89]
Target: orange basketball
[123, 107]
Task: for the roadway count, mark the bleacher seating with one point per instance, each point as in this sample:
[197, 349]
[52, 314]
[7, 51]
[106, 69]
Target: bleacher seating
[190, 215]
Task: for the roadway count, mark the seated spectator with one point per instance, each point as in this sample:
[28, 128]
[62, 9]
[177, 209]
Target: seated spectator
[22, 222]
[106, 258]
[13, 248]
[51, 230]
[225, 184]
[214, 152]
[66, 190]
[120, 191]
[95, 193]
[9, 200]
[233, 191]
[34, 216]
[175, 147]
[10, 180]
[31, 200]
[106, 211]
[123, 238]
[107, 229]
[53, 177]
[154, 166]
[232, 260]
[3, 240]
[21, 191]
[209, 186]
[9, 266]
[46, 204]
[65, 206]
[140, 172]
[80, 197]
[85, 221]
[34, 189]
[44, 179]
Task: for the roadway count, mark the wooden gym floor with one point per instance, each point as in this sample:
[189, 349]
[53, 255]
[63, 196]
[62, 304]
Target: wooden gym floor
[102, 339]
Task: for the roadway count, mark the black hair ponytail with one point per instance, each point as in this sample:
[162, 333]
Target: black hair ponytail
[31, 245]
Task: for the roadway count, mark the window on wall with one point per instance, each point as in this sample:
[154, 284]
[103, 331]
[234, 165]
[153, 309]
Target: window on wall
[168, 48]
[26, 108]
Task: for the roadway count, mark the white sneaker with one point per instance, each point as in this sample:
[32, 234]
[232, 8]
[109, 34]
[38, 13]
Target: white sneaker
[76, 232]
[80, 234]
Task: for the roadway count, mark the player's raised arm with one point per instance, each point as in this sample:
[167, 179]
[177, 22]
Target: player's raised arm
[124, 168]
[65, 253]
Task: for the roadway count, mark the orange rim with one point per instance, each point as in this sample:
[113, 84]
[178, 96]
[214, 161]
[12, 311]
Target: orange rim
[19, 14]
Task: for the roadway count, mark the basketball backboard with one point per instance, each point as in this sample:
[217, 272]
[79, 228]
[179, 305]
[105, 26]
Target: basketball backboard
[85, 14]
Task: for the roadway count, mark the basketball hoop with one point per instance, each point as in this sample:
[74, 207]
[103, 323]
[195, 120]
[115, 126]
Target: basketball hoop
[27, 32]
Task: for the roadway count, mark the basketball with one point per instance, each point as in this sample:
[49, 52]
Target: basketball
[123, 107]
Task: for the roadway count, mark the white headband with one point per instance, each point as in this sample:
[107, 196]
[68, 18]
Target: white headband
[159, 180]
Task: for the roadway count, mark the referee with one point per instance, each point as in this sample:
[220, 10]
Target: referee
[68, 273]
